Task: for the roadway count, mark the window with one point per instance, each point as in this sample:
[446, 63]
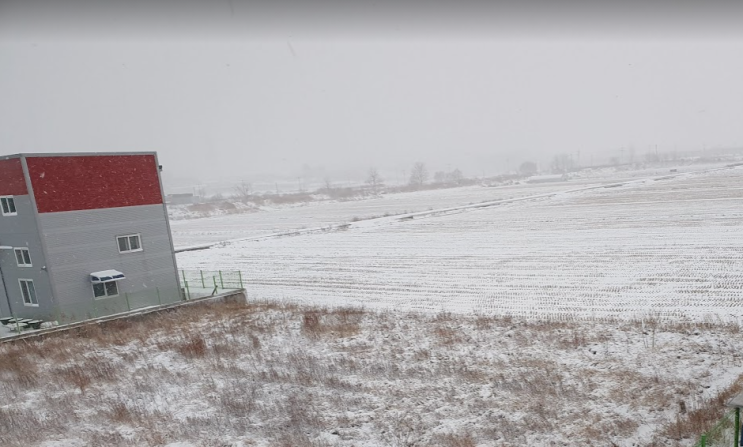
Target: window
[29, 292]
[104, 283]
[105, 289]
[129, 243]
[22, 257]
[7, 205]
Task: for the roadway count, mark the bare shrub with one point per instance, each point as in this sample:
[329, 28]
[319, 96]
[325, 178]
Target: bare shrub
[77, 376]
[447, 336]
[18, 368]
[311, 323]
[238, 400]
[119, 412]
[703, 416]
[193, 347]
[450, 440]
[342, 322]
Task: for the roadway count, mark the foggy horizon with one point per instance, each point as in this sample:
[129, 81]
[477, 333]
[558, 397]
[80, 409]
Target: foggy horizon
[246, 90]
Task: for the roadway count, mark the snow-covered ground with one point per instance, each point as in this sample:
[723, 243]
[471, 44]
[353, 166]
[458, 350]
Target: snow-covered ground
[270, 220]
[271, 375]
[667, 247]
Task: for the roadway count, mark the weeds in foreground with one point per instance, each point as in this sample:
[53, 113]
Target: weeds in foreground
[303, 376]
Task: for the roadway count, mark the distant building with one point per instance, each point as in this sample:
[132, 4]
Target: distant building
[547, 178]
[81, 234]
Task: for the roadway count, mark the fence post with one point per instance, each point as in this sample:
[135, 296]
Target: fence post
[240, 275]
[188, 292]
[704, 441]
[203, 284]
[214, 279]
[737, 427]
[128, 305]
[221, 281]
[159, 300]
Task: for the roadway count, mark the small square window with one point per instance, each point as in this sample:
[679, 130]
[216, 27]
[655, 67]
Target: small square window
[22, 257]
[7, 206]
[29, 292]
[105, 289]
[129, 243]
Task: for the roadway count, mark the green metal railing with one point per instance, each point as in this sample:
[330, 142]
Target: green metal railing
[197, 283]
[724, 434]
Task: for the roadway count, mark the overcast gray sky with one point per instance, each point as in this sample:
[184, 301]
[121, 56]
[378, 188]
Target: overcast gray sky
[240, 89]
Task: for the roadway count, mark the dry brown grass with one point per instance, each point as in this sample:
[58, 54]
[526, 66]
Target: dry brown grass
[193, 347]
[691, 423]
[290, 375]
[340, 322]
[455, 441]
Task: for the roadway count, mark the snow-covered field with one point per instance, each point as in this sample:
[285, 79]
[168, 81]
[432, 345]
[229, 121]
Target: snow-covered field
[665, 247]
[194, 231]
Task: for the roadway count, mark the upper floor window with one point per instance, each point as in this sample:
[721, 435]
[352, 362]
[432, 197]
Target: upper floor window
[29, 292]
[129, 243]
[7, 206]
[22, 257]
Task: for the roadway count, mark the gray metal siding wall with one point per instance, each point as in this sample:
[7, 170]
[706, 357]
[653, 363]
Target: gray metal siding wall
[21, 231]
[81, 242]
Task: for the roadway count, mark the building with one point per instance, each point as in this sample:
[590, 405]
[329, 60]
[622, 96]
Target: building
[83, 235]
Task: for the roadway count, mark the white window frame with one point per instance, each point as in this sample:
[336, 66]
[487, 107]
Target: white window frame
[105, 290]
[127, 238]
[5, 202]
[28, 255]
[33, 301]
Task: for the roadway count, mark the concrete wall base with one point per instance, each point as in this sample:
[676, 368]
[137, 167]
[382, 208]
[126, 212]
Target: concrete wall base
[237, 296]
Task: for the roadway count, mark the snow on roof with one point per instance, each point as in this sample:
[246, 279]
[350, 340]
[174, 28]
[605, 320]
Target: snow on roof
[106, 276]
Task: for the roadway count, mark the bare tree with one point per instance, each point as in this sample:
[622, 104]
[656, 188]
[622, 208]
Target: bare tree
[374, 180]
[455, 176]
[418, 175]
[242, 191]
